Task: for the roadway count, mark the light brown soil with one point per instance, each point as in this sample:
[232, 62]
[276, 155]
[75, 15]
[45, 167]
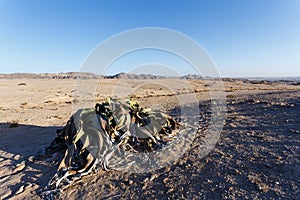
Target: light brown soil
[256, 156]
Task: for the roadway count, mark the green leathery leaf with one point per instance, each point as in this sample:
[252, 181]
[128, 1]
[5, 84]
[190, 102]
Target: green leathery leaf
[124, 122]
[143, 132]
[86, 141]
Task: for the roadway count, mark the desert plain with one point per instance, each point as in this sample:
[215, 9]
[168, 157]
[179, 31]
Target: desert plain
[256, 155]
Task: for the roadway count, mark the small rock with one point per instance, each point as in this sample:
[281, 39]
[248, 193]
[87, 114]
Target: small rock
[24, 104]
[170, 190]
[57, 116]
[19, 167]
[31, 159]
[144, 187]
[111, 186]
[294, 131]
[278, 158]
[20, 190]
[4, 178]
[28, 185]
[2, 108]
[253, 101]
[123, 185]
[13, 124]
[232, 125]
[154, 176]
[286, 105]
[263, 187]
[17, 157]
[165, 180]
[48, 101]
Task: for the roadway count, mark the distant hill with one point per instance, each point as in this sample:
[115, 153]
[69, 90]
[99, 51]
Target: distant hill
[67, 75]
[134, 76]
[86, 75]
[191, 76]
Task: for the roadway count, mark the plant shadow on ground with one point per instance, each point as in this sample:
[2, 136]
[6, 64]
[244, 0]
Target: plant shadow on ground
[21, 167]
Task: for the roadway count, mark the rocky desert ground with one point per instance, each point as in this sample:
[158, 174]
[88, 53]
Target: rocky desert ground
[256, 155]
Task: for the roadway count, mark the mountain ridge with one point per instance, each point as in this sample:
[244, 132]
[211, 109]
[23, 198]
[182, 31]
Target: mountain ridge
[88, 75]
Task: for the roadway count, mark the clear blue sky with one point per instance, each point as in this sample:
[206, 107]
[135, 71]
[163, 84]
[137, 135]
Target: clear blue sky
[243, 37]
